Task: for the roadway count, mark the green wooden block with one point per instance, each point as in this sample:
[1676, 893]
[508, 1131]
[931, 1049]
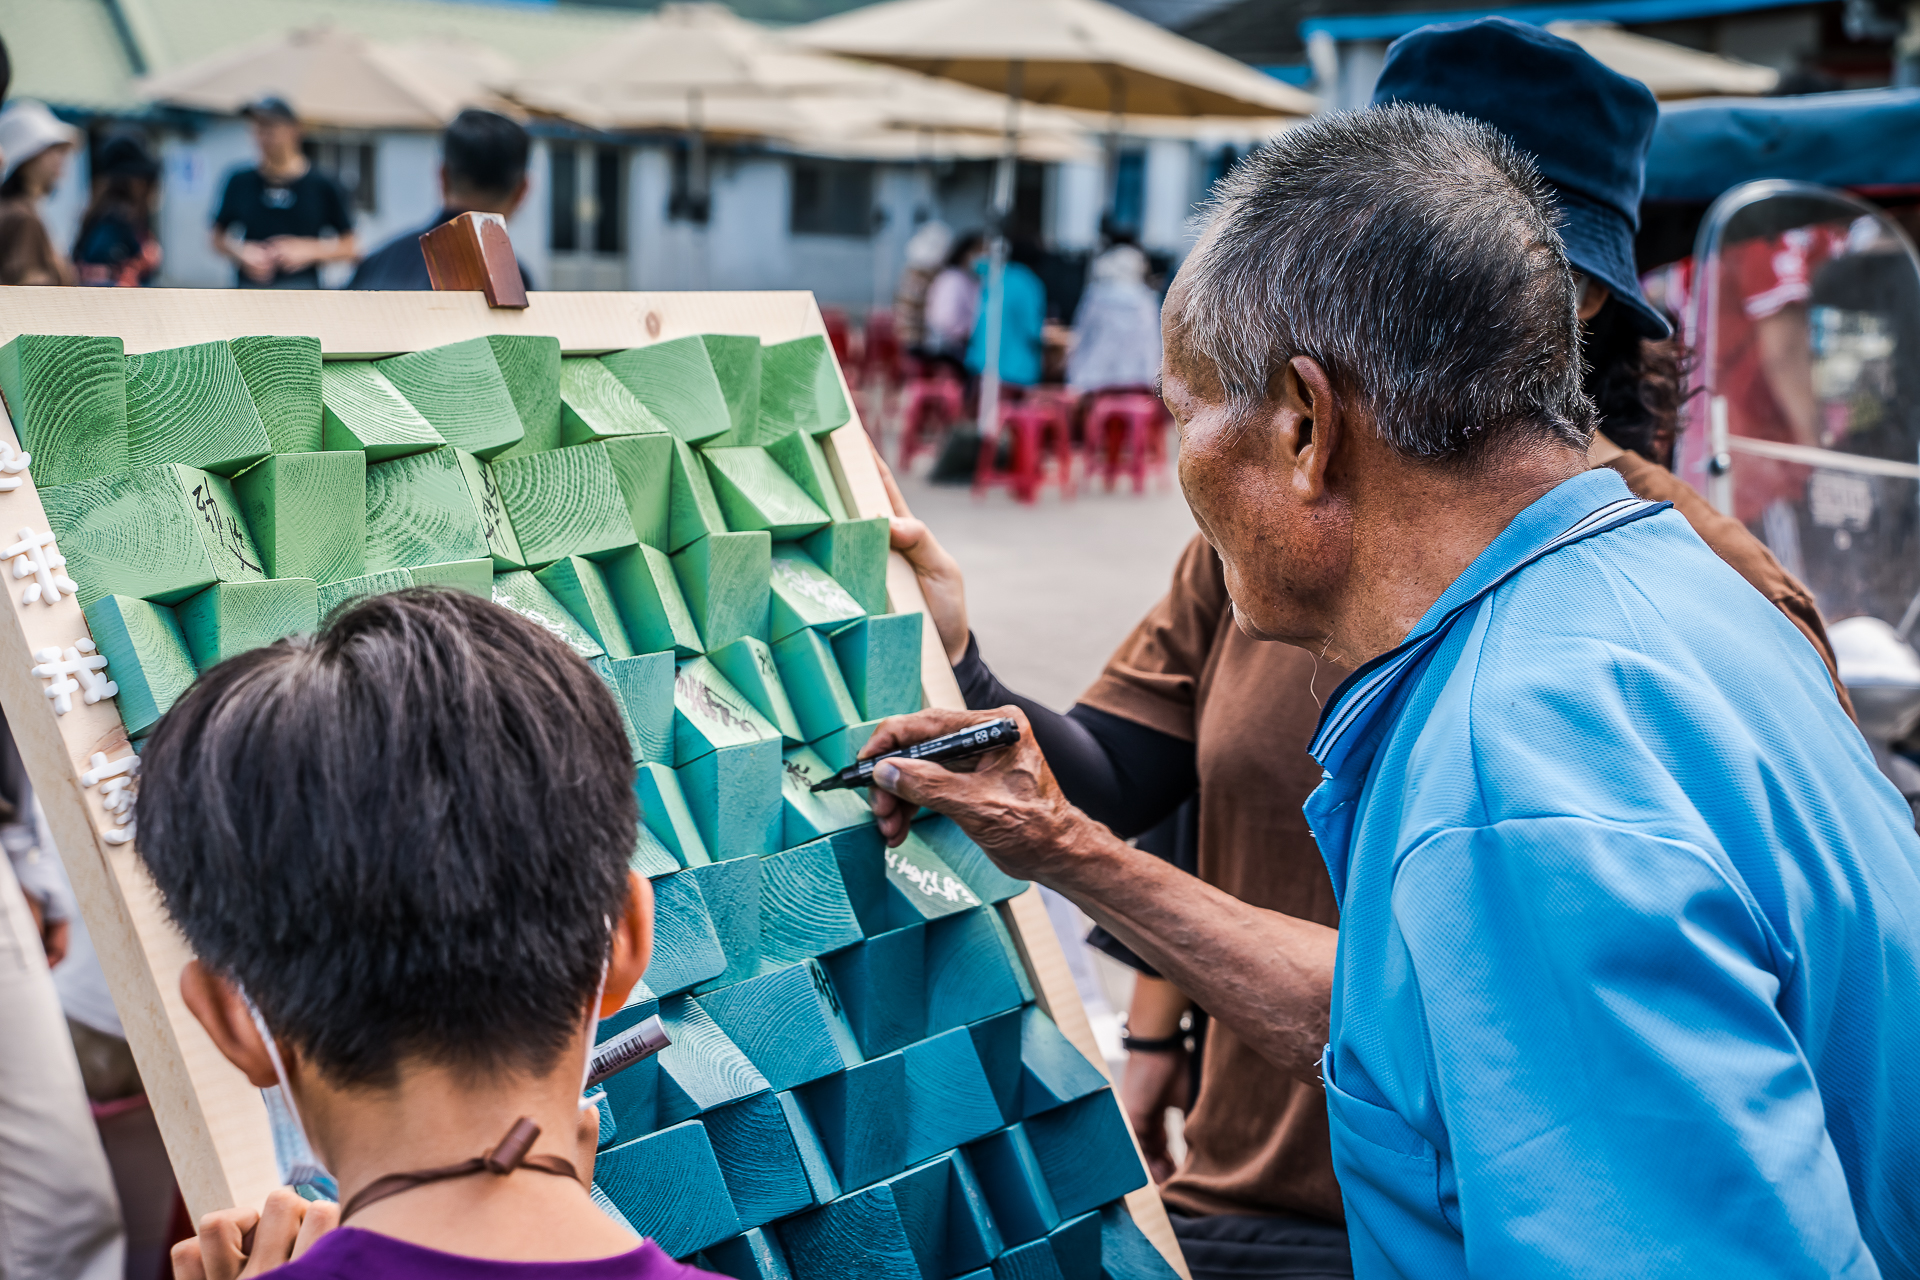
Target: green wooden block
[581, 589]
[420, 511]
[283, 380]
[880, 658]
[523, 593]
[229, 618]
[800, 389]
[813, 1152]
[968, 860]
[676, 381]
[1052, 1072]
[811, 676]
[724, 578]
[337, 595]
[879, 982]
[890, 888]
[948, 1099]
[857, 1237]
[803, 595]
[530, 366]
[603, 667]
[693, 512]
[361, 410]
[190, 405]
[996, 1042]
[643, 468]
[854, 552]
[1016, 1189]
[307, 513]
[736, 366]
[475, 577]
[701, 1069]
[754, 493]
[732, 893]
[502, 545]
[458, 388]
[646, 687]
[967, 974]
[160, 533]
[804, 910]
[807, 814]
[646, 595]
[789, 1023]
[766, 1178]
[1086, 1153]
[802, 458]
[842, 747]
[734, 793]
[686, 950]
[1125, 1251]
[748, 664]
[595, 405]
[754, 1254]
[663, 808]
[710, 713]
[67, 396]
[860, 1114]
[650, 857]
[669, 1187]
[565, 502]
[146, 656]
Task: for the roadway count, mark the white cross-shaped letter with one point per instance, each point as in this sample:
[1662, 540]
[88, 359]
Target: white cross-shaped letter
[13, 465]
[36, 555]
[59, 669]
[116, 796]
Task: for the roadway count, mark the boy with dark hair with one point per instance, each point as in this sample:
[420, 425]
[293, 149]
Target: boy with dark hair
[483, 169]
[399, 851]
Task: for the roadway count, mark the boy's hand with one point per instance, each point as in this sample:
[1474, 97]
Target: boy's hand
[237, 1243]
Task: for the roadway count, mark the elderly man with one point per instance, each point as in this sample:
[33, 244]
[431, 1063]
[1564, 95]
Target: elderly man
[1628, 952]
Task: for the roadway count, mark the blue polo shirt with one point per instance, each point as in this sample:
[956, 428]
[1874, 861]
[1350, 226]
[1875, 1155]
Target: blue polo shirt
[1629, 962]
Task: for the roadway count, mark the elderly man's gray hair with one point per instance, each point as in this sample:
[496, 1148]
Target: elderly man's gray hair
[1412, 254]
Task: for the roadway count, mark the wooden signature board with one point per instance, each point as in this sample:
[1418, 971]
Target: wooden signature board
[880, 1065]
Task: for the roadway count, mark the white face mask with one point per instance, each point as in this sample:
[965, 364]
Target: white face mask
[298, 1165]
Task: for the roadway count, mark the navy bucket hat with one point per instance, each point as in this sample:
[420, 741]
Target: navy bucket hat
[1587, 128]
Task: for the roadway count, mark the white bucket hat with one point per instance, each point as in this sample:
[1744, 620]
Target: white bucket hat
[26, 129]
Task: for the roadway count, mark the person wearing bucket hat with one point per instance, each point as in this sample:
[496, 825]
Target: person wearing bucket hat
[36, 145]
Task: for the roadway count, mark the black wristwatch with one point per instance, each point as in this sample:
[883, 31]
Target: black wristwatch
[1175, 1043]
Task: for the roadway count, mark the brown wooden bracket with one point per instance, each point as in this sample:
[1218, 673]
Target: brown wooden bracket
[472, 252]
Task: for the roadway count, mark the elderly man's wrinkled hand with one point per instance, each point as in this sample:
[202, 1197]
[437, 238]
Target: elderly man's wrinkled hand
[1007, 800]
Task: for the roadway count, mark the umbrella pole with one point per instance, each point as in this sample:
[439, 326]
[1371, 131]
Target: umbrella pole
[997, 264]
[1116, 115]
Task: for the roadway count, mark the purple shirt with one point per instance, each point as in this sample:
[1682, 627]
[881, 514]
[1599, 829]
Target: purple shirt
[349, 1253]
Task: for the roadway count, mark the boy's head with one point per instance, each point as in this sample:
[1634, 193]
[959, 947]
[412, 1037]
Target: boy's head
[406, 837]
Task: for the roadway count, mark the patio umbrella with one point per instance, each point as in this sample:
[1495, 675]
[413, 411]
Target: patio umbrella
[1672, 71]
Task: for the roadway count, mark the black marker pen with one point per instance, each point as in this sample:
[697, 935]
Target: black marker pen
[978, 740]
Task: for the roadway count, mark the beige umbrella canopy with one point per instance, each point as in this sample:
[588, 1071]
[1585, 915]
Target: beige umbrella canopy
[332, 77]
[1670, 70]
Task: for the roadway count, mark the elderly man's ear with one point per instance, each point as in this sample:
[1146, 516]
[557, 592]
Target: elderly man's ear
[1307, 424]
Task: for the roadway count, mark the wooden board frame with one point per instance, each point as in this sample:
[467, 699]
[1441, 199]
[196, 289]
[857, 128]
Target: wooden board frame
[213, 1121]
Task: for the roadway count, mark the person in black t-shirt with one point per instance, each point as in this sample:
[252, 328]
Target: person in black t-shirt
[271, 217]
[483, 169]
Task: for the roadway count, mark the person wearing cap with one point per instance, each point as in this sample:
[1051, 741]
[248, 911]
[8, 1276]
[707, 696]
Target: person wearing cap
[1194, 718]
[274, 219]
[37, 145]
[116, 245]
[483, 169]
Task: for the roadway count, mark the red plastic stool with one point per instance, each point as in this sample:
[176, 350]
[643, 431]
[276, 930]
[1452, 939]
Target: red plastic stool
[928, 406]
[1039, 426]
[1129, 426]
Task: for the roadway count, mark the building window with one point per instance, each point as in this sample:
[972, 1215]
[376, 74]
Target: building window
[832, 198]
[607, 220]
[564, 193]
[349, 162]
[1129, 191]
[586, 212]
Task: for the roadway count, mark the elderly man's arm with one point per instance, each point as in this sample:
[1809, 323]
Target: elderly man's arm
[1267, 975]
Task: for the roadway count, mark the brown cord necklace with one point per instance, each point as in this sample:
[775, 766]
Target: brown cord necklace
[509, 1155]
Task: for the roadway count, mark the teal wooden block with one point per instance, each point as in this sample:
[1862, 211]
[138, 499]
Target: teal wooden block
[702, 1069]
[857, 1237]
[1125, 1251]
[663, 808]
[968, 977]
[633, 1096]
[754, 1254]
[362, 410]
[815, 689]
[1015, 1186]
[565, 502]
[880, 659]
[650, 856]
[755, 493]
[609, 1130]
[800, 456]
[67, 396]
[646, 595]
[643, 468]
[523, 593]
[880, 986]
[1052, 1072]
[670, 1188]
[475, 577]
[1085, 1152]
[484, 488]
[804, 910]
[159, 533]
[676, 380]
[748, 664]
[283, 380]
[420, 511]
[335, 596]
[789, 1023]
[1034, 1260]
[686, 949]
[1076, 1247]
[603, 667]
[946, 1217]
[842, 747]
[709, 713]
[800, 389]
[996, 1042]
[973, 1237]
[806, 814]
[732, 893]
[605, 1204]
[813, 1152]
[891, 888]
[190, 405]
[581, 588]
[736, 367]
[920, 1195]
[530, 366]
[968, 860]
[307, 513]
[948, 1099]
[760, 1160]
[855, 553]
[230, 618]
[459, 389]
[641, 1003]
[734, 795]
[646, 687]
[595, 405]
[804, 596]
[693, 512]
[860, 1114]
[1013, 955]
[146, 656]
[724, 578]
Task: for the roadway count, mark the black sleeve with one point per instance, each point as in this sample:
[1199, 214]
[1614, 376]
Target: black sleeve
[230, 211]
[1122, 773]
[333, 205]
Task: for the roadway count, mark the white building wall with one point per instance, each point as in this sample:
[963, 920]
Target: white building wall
[1169, 195]
[746, 238]
[527, 228]
[66, 204]
[193, 175]
[1075, 201]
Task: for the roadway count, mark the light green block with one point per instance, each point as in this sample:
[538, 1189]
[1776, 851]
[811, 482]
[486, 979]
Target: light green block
[190, 405]
[880, 659]
[494, 522]
[421, 511]
[802, 458]
[734, 795]
[800, 389]
[808, 815]
[523, 593]
[664, 812]
[811, 676]
[723, 577]
[842, 747]
[855, 552]
[736, 366]
[348, 591]
[754, 493]
[283, 379]
[603, 667]
[676, 381]
[709, 713]
[67, 396]
[475, 577]
[646, 595]
[646, 686]
[581, 589]
[362, 410]
[230, 618]
[146, 656]
[530, 366]
[595, 405]
[650, 856]
[643, 468]
[805, 595]
[459, 389]
[159, 533]
[565, 502]
[693, 512]
[308, 513]
[748, 664]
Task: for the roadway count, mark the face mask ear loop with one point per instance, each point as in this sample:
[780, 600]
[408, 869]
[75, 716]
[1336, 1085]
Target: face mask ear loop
[593, 1017]
[310, 1170]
